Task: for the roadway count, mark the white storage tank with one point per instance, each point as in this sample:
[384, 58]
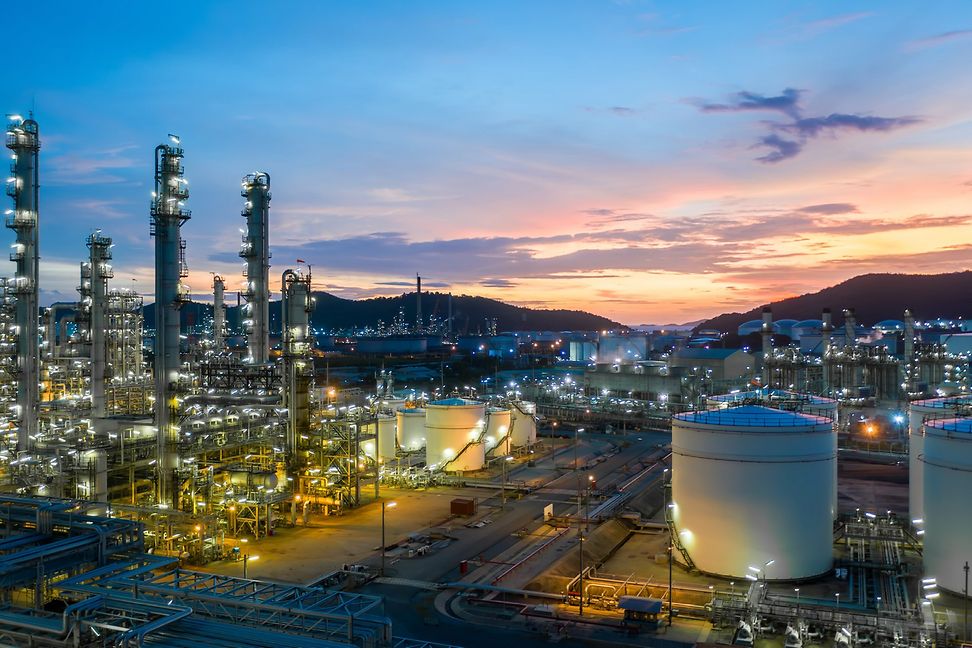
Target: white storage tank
[410, 424]
[524, 430]
[753, 484]
[498, 421]
[918, 412]
[387, 445]
[947, 474]
[454, 430]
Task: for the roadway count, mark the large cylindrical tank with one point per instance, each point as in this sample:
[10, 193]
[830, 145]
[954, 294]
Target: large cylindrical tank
[524, 431]
[753, 484]
[266, 480]
[94, 476]
[497, 438]
[947, 473]
[454, 430]
[410, 424]
[919, 412]
[387, 446]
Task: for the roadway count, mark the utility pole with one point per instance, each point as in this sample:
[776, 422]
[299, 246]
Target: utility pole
[580, 582]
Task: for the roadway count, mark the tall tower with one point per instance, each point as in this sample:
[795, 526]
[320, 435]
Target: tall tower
[219, 314]
[23, 138]
[100, 272]
[168, 215]
[256, 252]
[766, 336]
[296, 342]
[418, 304]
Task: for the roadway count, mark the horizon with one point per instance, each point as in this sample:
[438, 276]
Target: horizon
[643, 163]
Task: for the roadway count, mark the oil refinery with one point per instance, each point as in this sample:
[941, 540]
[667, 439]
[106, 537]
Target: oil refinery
[162, 491]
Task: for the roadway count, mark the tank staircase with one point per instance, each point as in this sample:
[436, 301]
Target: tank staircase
[469, 444]
[505, 437]
[676, 539]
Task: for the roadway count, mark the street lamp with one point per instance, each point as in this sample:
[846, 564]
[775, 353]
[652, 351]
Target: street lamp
[797, 590]
[506, 460]
[383, 505]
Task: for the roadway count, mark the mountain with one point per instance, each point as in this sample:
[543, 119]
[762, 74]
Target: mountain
[874, 297]
[469, 314]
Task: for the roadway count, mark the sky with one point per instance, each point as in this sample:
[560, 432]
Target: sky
[651, 162]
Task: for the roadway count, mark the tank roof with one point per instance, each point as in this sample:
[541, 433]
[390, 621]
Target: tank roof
[753, 416]
[944, 402]
[455, 402]
[411, 410]
[772, 395]
[962, 425]
[808, 323]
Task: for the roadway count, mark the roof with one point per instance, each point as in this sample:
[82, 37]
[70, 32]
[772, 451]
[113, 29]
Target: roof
[411, 410]
[772, 395]
[808, 323]
[949, 402]
[958, 425]
[455, 402]
[640, 604]
[705, 354]
[753, 416]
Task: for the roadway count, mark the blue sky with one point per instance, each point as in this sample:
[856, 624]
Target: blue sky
[648, 161]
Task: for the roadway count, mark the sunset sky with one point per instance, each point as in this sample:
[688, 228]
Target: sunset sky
[647, 161]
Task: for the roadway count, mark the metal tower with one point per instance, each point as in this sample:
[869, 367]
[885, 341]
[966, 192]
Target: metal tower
[168, 216]
[219, 314]
[100, 272]
[296, 342]
[256, 251]
[23, 138]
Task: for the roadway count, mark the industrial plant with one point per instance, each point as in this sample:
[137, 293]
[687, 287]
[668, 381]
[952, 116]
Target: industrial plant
[636, 485]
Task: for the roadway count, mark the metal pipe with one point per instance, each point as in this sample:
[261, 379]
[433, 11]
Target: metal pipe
[167, 216]
[23, 139]
[256, 252]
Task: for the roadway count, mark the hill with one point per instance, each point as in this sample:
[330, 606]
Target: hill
[874, 297]
[469, 314]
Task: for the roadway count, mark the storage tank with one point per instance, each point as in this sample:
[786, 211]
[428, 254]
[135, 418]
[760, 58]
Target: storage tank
[454, 430]
[387, 446]
[410, 424]
[947, 474]
[753, 484]
[524, 430]
[497, 438]
[918, 412]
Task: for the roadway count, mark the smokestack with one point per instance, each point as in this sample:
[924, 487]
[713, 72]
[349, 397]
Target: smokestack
[767, 339]
[100, 272]
[850, 327]
[168, 216]
[418, 304]
[219, 314]
[23, 138]
[256, 252]
[908, 357]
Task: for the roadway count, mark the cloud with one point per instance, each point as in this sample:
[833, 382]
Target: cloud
[91, 167]
[498, 283]
[801, 129]
[787, 103]
[779, 149]
[829, 209]
[623, 111]
[813, 126]
[937, 39]
[826, 24]
[612, 216]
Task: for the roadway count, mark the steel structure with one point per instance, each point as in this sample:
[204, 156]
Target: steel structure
[256, 252]
[168, 215]
[23, 139]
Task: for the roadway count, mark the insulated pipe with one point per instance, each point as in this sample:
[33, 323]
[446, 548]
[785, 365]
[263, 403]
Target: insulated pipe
[766, 334]
[167, 216]
[256, 252]
[23, 138]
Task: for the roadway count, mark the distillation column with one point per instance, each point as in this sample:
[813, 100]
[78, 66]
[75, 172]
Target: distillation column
[23, 138]
[826, 332]
[219, 314]
[908, 357]
[766, 333]
[418, 304]
[168, 216]
[256, 252]
[296, 307]
[100, 254]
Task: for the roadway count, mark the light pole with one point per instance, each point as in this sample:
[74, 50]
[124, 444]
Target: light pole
[389, 505]
[506, 460]
[246, 557]
[587, 503]
[838, 602]
[797, 590]
[580, 581]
